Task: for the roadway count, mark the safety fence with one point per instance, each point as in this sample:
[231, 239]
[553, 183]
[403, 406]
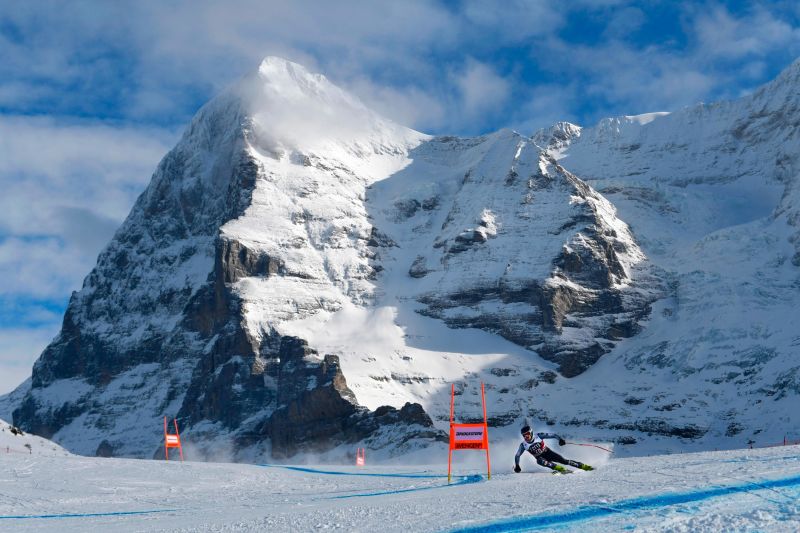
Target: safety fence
[786, 442]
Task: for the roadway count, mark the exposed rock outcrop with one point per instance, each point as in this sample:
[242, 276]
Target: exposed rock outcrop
[598, 283]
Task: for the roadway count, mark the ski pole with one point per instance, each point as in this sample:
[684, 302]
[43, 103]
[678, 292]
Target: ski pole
[592, 445]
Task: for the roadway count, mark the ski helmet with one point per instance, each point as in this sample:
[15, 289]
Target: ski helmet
[525, 429]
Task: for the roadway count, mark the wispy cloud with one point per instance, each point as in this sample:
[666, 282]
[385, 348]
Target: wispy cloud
[19, 348]
[68, 186]
[724, 35]
[480, 89]
[408, 105]
[55, 168]
[157, 62]
[515, 22]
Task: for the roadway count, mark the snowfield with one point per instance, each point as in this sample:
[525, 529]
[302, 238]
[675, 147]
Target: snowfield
[12, 441]
[741, 490]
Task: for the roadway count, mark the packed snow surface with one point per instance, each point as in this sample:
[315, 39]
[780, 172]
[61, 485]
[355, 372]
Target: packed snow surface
[711, 491]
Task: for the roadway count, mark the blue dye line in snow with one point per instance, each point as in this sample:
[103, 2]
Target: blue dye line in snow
[338, 473]
[625, 506]
[463, 481]
[771, 459]
[83, 515]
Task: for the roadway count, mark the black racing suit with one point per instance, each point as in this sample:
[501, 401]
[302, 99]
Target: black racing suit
[544, 456]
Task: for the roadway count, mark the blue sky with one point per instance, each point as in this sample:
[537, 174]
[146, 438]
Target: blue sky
[93, 93]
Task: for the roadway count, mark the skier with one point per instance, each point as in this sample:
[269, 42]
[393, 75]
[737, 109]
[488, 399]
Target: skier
[534, 444]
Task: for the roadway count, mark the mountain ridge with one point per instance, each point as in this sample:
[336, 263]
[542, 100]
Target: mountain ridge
[292, 268]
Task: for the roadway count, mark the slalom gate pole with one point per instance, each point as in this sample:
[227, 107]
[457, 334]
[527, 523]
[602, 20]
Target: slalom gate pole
[468, 436]
[485, 423]
[452, 401]
[449, 464]
[450, 453]
[178, 433]
[166, 448]
[592, 445]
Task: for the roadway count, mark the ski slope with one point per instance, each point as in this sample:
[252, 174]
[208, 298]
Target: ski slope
[710, 491]
[12, 441]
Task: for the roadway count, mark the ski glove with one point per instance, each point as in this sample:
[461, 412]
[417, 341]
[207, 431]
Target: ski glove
[517, 469]
[561, 442]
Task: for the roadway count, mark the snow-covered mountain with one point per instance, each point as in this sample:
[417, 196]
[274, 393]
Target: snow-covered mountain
[302, 274]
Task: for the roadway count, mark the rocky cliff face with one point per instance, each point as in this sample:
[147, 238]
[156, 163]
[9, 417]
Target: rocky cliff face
[709, 191]
[149, 301]
[302, 275]
[519, 247]
[160, 327]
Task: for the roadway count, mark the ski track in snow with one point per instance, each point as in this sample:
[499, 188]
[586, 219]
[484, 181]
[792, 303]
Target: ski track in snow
[711, 491]
[627, 506]
[84, 515]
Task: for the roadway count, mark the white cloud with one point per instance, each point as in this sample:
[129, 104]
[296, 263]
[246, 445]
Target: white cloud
[15, 93]
[19, 348]
[624, 21]
[660, 83]
[50, 166]
[513, 21]
[41, 268]
[411, 106]
[67, 188]
[356, 37]
[481, 90]
[170, 56]
[721, 35]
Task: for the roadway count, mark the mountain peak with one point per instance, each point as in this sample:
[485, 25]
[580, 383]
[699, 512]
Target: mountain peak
[556, 136]
[293, 109]
[292, 80]
[276, 62]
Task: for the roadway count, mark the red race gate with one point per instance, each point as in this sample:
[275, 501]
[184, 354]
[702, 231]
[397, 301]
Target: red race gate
[172, 441]
[361, 456]
[468, 436]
